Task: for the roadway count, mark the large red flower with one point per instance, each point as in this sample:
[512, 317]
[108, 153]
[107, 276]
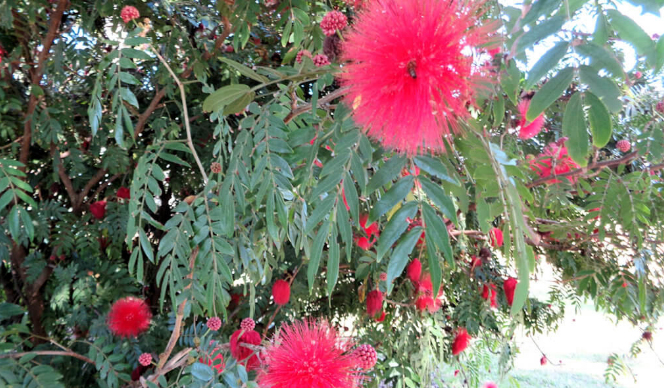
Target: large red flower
[509, 286]
[129, 317]
[411, 73]
[244, 355]
[281, 292]
[554, 160]
[414, 270]
[308, 354]
[529, 129]
[461, 341]
[98, 209]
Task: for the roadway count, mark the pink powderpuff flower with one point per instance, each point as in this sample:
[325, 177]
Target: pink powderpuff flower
[214, 323]
[509, 286]
[411, 73]
[308, 354]
[414, 271]
[490, 385]
[555, 160]
[366, 356]
[129, 317]
[333, 21]
[243, 354]
[298, 59]
[529, 129]
[321, 60]
[623, 145]
[461, 341]
[129, 13]
[247, 324]
[145, 359]
[281, 292]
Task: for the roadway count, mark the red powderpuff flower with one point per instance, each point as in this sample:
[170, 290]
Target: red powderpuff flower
[129, 13]
[496, 236]
[374, 303]
[145, 359]
[411, 73]
[123, 193]
[333, 21]
[281, 292]
[129, 317]
[364, 243]
[242, 354]
[366, 356]
[554, 160]
[214, 323]
[414, 270]
[371, 229]
[461, 341]
[529, 129]
[509, 286]
[217, 362]
[308, 354]
[98, 209]
[425, 299]
[489, 291]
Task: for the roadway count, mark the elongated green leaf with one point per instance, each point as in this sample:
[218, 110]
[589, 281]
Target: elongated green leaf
[395, 195]
[437, 231]
[244, 70]
[547, 62]
[539, 8]
[239, 105]
[631, 32]
[574, 127]
[224, 96]
[385, 174]
[602, 87]
[550, 93]
[601, 125]
[435, 167]
[395, 228]
[547, 27]
[316, 252]
[510, 80]
[601, 58]
[442, 200]
[400, 254]
[332, 263]
[601, 34]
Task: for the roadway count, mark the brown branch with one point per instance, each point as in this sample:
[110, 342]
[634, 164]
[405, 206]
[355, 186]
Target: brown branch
[105, 184]
[88, 186]
[49, 353]
[323, 100]
[143, 118]
[36, 75]
[178, 324]
[580, 171]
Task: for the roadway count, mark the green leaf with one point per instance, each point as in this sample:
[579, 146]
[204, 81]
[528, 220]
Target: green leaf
[395, 195]
[8, 310]
[316, 252]
[601, 58]
[239, 105]
[549, 93]
[631, 32]
[202, 372]
[437, 232]
[395, 228]
[574, 127]
[440, 199]
[332, 263]
[547, 62]
[547, 27]
[400, 254]
[603, 87]
[435, 167]
[224, 96]
[385, 174]
[510, 81]
[601, 125]
[128, 96]
[244, 70]
[539, 8]
[498, 110]
[601, 34]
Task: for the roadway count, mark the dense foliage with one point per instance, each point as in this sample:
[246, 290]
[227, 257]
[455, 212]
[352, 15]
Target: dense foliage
[196, 166]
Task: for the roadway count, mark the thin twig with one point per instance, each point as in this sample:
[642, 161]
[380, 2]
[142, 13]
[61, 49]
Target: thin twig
[305, 108]
[49, 353]
[185, 111]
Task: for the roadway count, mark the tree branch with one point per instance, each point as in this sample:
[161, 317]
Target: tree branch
[88, 186]
[35, 78]
[323, 100]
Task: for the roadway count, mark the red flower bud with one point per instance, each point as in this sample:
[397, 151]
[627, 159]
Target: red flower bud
[414, 270]
[509, 286]
[374, 302]
[281, 292]
[98, 209]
